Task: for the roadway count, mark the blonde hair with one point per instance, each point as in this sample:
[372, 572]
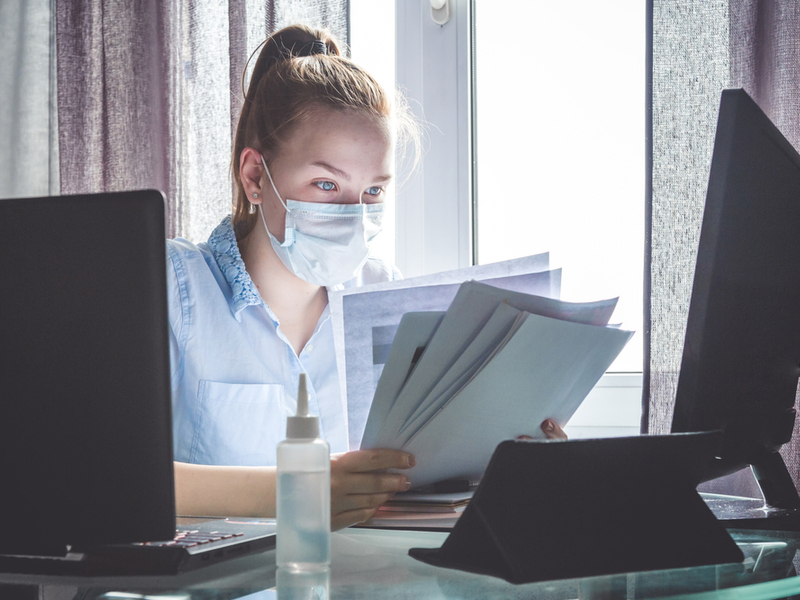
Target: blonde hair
[293, 75]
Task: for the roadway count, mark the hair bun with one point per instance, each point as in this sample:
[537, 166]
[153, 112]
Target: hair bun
[313, 47]
[301, 49]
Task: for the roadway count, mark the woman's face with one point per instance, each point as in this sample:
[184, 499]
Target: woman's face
[334, 156]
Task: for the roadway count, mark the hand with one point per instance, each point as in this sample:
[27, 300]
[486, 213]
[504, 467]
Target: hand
[360, 483]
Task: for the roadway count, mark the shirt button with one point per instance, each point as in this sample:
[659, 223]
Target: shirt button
[309, 348]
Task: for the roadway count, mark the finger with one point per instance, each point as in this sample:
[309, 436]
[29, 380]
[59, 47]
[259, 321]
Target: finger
[351, 517]
[553, 430]
[377, 459]
[359, 501]
[368, 483]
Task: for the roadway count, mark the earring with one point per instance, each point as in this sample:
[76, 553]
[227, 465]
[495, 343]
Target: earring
[255, 195]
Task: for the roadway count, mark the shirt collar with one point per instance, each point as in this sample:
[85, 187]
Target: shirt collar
[226, 252]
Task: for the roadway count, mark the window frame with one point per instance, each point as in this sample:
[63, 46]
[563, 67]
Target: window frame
[435, 201]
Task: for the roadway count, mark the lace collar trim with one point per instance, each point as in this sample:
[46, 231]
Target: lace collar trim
[226, 252]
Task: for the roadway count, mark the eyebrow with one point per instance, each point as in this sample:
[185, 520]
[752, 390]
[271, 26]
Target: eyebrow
[342, 174]
[332, 169]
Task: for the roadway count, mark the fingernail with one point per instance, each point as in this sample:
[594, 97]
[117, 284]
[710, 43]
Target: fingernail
[407, 484]
[411, 460]
[548, 425]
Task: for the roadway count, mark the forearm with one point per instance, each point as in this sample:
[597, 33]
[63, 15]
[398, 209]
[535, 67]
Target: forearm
[224, 491]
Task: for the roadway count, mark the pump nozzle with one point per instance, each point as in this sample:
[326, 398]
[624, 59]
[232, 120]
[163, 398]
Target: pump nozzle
[302, 425]
[302, 396]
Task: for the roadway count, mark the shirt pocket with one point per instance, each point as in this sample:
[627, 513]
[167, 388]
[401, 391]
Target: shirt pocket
[239, 424]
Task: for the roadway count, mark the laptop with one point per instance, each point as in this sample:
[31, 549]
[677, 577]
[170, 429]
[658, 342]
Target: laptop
[86, 465]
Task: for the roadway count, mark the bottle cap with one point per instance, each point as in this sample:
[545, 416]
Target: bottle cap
[302, 425]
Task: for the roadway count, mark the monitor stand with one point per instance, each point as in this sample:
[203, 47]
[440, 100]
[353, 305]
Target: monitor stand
[780, 508]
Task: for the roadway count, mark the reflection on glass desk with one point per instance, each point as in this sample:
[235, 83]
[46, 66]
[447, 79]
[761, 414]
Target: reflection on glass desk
[375, 564]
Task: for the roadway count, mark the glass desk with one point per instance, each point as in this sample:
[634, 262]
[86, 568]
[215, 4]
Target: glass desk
[374, 564]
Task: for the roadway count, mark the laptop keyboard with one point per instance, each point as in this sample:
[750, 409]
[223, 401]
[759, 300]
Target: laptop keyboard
[190, 539]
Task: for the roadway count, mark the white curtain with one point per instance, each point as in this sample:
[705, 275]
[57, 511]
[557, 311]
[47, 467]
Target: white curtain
[28, 127]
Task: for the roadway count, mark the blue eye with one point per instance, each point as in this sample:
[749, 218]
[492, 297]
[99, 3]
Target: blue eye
[326, 186]
[374, 191]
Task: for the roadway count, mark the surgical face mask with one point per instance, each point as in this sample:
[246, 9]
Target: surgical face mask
[325, 244]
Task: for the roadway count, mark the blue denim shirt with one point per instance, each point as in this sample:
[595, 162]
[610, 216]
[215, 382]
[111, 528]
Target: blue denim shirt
[234, 372]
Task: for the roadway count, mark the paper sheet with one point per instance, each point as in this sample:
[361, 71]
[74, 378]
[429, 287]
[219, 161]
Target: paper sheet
[365, 321]
[413, 334]
[469, 313]
[503, 321]
[544, 371]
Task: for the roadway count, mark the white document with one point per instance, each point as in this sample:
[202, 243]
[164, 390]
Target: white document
[366, 319]
[413, 334]
[470, 311]
[544, 370]
[482, 347]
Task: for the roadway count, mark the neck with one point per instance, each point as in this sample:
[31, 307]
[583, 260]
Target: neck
[297, 303]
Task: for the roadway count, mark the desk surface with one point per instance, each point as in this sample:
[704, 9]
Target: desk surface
[374, 564]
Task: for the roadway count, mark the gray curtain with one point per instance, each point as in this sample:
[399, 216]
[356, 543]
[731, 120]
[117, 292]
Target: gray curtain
[700, 47]
[149, 93]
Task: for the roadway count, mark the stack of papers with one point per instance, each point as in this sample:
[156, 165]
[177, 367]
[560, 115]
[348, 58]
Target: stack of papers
[454, 502]
[491, 367]
[365, 320]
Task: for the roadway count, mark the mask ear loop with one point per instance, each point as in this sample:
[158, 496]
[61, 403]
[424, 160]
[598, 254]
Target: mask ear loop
[263, 220]
[286, 240]
[272, 183]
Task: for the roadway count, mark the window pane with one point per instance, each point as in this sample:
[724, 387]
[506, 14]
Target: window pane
[372, 34]
[560, 106]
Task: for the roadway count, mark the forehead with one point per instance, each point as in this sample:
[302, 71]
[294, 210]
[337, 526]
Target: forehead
[340, 136]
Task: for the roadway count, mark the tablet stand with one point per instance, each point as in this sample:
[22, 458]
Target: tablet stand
[556, 510]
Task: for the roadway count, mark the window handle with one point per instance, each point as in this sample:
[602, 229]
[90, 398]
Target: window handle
[440, 11]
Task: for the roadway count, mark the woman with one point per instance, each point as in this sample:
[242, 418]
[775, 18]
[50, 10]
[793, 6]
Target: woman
[249, 309]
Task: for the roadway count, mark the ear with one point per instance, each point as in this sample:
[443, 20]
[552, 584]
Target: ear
[250, 172]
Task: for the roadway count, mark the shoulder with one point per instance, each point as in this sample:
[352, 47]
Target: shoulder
[186, 257]
[190, 270]
[181, 249]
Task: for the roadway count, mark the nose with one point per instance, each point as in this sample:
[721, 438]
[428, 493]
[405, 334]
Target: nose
[351, 198]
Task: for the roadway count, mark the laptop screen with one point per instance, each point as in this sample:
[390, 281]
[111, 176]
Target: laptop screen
[85, 431]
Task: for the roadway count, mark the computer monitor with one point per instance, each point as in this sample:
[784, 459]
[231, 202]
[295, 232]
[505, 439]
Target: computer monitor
[741, 354]
[84, 348]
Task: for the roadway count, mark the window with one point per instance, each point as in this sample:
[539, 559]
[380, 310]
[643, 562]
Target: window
[560, 112]
[536, 112]
[372, 46]
[556, 111]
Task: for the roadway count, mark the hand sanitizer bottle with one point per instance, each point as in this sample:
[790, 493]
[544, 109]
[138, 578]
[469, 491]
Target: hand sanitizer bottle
[303, 508]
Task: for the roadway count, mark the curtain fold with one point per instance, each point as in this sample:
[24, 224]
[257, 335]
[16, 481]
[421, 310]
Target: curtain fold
[690, 69]
[149, 93]
[29, 153]
[111, 96]
[699, 48]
